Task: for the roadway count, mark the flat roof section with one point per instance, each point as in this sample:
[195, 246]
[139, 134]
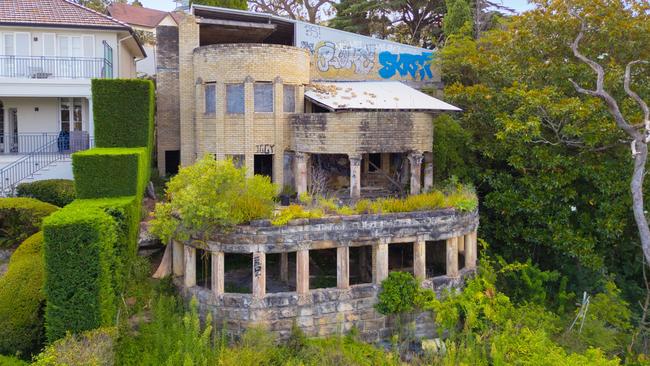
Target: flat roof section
[373, 95]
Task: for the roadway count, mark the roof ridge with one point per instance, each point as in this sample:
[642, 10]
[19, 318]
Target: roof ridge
[98, 13]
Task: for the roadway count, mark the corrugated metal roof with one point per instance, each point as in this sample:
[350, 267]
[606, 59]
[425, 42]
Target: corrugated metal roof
[382, 95]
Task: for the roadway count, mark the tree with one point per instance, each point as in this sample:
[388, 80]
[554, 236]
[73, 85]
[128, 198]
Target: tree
[98, 5]
[367, 17]
[416, 22]
[458, 13]
[311, 11]
[547, 163]
[233, 4]
[136, 3]
[639, 133]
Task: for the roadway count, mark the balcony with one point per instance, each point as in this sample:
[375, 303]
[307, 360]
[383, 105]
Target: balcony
[46, 67]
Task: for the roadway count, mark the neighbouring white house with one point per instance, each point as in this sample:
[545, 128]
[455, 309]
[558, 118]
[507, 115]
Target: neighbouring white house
[49, 52]
[144, 21]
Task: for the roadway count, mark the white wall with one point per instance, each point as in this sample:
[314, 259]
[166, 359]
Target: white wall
[46, 119]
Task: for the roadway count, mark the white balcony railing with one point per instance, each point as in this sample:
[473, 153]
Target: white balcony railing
[45, 67]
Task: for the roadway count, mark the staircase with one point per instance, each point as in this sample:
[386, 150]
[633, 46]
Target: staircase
[38, 160]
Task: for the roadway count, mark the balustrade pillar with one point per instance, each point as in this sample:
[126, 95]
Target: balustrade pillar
[452, 257]
[190, 266]
[217, 273]
[343, 267]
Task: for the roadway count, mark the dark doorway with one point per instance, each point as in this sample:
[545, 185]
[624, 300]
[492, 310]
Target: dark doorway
[374, 162]
[172, 161]
[263, 165]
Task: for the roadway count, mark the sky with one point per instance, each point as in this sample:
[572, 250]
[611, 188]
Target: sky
[167, 5]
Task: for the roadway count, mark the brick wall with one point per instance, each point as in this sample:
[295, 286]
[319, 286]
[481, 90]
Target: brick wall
[168, 134]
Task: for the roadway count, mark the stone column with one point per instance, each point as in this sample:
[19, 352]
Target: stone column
[343, 267]
[428, 171]
[415, 160]
[420, 258]
[461, 244]
[381, 261]
[300, 160]
[190, 266]
[452, 257]
[217, 273]
[178, 262]
[284, 267]
[355, 176]
[259, 275]
[470, 250]
[302, 271]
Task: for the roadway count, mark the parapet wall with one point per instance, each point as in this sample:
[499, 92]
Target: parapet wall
[328, 311]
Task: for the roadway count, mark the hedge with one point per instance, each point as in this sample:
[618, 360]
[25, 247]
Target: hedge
[79, 257]
[20, 218]
[58, 192]
[125, 211]
[22, 299]
[124, 112]
[110, 172]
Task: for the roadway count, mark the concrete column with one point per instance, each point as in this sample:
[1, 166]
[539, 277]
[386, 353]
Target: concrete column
[217, 273]
[355, 176]
[415, 160]
[343, 267]
[428, 171]
[452, 257]
[91, 122]
[284, 267]
[300, 160]
[190, 266]
[470, 250]
[381, 261]
[302, 272]
[259, 275]
[178, 263]
[461, 244]
[420, 258]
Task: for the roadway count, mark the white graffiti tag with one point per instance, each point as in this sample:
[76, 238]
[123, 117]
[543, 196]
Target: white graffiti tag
[328, 54]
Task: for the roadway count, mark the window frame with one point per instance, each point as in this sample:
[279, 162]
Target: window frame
[284, 96]
[255, 99]
[210, 85]
[243, 99]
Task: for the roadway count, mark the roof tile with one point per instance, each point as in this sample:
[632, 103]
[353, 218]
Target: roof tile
[54, 12]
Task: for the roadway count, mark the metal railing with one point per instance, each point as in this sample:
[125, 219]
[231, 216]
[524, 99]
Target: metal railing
[25, 143]
[49, 67]
[55, 150]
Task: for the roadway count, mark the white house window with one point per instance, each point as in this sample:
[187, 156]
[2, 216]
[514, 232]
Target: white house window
[235, 100]
[289, 98]
[71, 114]
[263, 97]
[210, 98]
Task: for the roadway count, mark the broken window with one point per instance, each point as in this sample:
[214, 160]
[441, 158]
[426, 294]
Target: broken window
[235, 100]
[238, 273]
[203, 268]
[436, 261]
[289, 99]
[263, 97]
[322, 268]
[360, 265]
[238, 160]
[210, 98]
[400, 257]
[280, 272]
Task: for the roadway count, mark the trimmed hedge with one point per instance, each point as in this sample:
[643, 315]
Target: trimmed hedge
[22, 299]
[125, 211]
[124, 112]
[58, 192]
[79, 257]
[20, 218]
[110, 172]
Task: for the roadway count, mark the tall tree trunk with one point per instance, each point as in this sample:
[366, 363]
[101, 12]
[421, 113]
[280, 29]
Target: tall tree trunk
[636, 186]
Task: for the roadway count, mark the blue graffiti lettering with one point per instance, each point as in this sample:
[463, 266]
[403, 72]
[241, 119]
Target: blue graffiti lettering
[405, 64]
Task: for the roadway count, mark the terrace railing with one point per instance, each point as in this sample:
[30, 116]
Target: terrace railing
[52, 151]
[48, 67]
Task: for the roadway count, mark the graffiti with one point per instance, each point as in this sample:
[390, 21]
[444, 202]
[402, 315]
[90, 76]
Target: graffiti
[257, 266]
[329, 55]
[309, 46]
[405, 64]
[312, 31]
[264, 149]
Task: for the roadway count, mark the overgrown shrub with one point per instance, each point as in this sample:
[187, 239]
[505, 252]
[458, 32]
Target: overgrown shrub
[22, 300]
[11, 361]
[124, 112]
[400, 293]
[211, 194]
[110, 172]
[58, 192]
[94, 347]
[20, 218]
[79, 257]
[293, 212]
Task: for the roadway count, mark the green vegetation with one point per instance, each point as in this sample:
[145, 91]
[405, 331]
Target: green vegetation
[208, 195]
[20, 218]
[233, 4]
[11, 361]
[92, 347]
[58, 192]
[110, 172]
[22, 300]
[79, 258]
[124, 113]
